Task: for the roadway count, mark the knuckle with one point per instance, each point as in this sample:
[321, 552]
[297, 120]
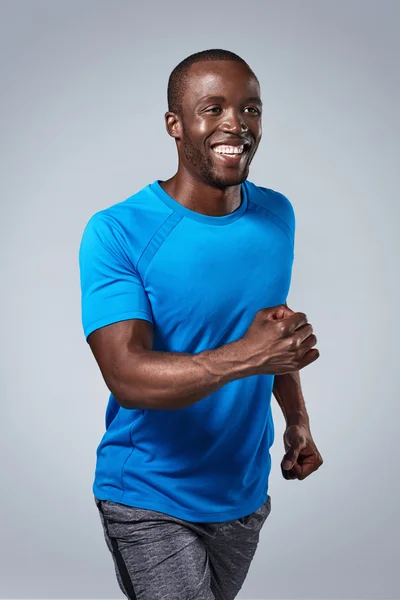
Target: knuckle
[296, 342]
[281, 326]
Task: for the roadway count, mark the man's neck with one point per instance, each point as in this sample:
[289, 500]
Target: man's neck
[202, 197]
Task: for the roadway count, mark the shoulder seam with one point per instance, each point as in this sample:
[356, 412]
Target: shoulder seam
[275, 215]
[175, 220]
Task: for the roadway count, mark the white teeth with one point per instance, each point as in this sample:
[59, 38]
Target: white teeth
[228, 149]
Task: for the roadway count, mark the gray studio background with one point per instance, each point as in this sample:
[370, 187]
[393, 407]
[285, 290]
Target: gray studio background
[83, 96]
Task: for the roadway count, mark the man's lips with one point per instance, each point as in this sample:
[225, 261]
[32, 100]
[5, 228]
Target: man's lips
[231, 142]
[230, 158]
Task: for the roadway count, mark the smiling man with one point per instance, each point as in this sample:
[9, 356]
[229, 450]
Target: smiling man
[184, 288]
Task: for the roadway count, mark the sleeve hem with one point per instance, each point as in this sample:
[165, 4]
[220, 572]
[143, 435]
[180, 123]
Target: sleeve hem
[139, 314]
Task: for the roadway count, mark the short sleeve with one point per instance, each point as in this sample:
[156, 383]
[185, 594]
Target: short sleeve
[290, 218]
[283, 211]
[283, 208]
[111, 288]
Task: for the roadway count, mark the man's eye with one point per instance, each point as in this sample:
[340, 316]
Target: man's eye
[216, 109]
[256, 111]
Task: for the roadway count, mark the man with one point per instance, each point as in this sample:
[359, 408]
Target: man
[184, 288]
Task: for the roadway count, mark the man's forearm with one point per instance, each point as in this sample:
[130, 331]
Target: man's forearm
[288, 394]
[172, 380]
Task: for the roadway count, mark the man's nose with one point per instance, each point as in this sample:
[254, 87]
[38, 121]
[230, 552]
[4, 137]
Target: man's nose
[234, 122]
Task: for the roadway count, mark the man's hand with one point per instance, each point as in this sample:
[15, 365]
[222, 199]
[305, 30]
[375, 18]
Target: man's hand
[278, 341]
[302, 457]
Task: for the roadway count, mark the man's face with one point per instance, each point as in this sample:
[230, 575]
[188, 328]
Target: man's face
[221, 105]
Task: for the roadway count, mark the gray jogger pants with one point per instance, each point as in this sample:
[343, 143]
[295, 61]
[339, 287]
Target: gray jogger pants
[160, 557]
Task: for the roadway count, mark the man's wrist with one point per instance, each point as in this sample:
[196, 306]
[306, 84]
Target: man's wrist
[298, 418]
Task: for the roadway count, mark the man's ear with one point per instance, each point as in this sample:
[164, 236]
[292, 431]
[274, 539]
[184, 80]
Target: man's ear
[173, 125]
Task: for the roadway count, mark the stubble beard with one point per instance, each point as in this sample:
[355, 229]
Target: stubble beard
[203, 164]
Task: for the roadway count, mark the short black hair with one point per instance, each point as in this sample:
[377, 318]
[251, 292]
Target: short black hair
[178, 79]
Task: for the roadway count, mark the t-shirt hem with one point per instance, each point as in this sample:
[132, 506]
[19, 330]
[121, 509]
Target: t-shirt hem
[138, 314]
[114, 495]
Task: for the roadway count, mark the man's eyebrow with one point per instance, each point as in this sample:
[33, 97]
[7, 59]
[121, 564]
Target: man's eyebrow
[254, 99]
[208, 98]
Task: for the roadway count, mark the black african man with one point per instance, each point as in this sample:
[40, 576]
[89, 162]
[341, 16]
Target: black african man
[184, 289]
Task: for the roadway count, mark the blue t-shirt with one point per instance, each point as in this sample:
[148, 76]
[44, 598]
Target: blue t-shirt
[199, 280]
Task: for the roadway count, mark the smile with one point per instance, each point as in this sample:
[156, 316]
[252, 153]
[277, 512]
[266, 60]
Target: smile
[224, 149]
[229, 154]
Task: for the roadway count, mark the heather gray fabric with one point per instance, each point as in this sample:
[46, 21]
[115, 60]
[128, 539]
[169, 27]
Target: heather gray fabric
[160, 557]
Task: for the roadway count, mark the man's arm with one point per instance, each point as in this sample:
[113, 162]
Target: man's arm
[139, 377]
[302, 456]
[287, 391]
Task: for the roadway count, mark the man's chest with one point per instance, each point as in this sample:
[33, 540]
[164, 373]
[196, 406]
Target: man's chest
[206, 289]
